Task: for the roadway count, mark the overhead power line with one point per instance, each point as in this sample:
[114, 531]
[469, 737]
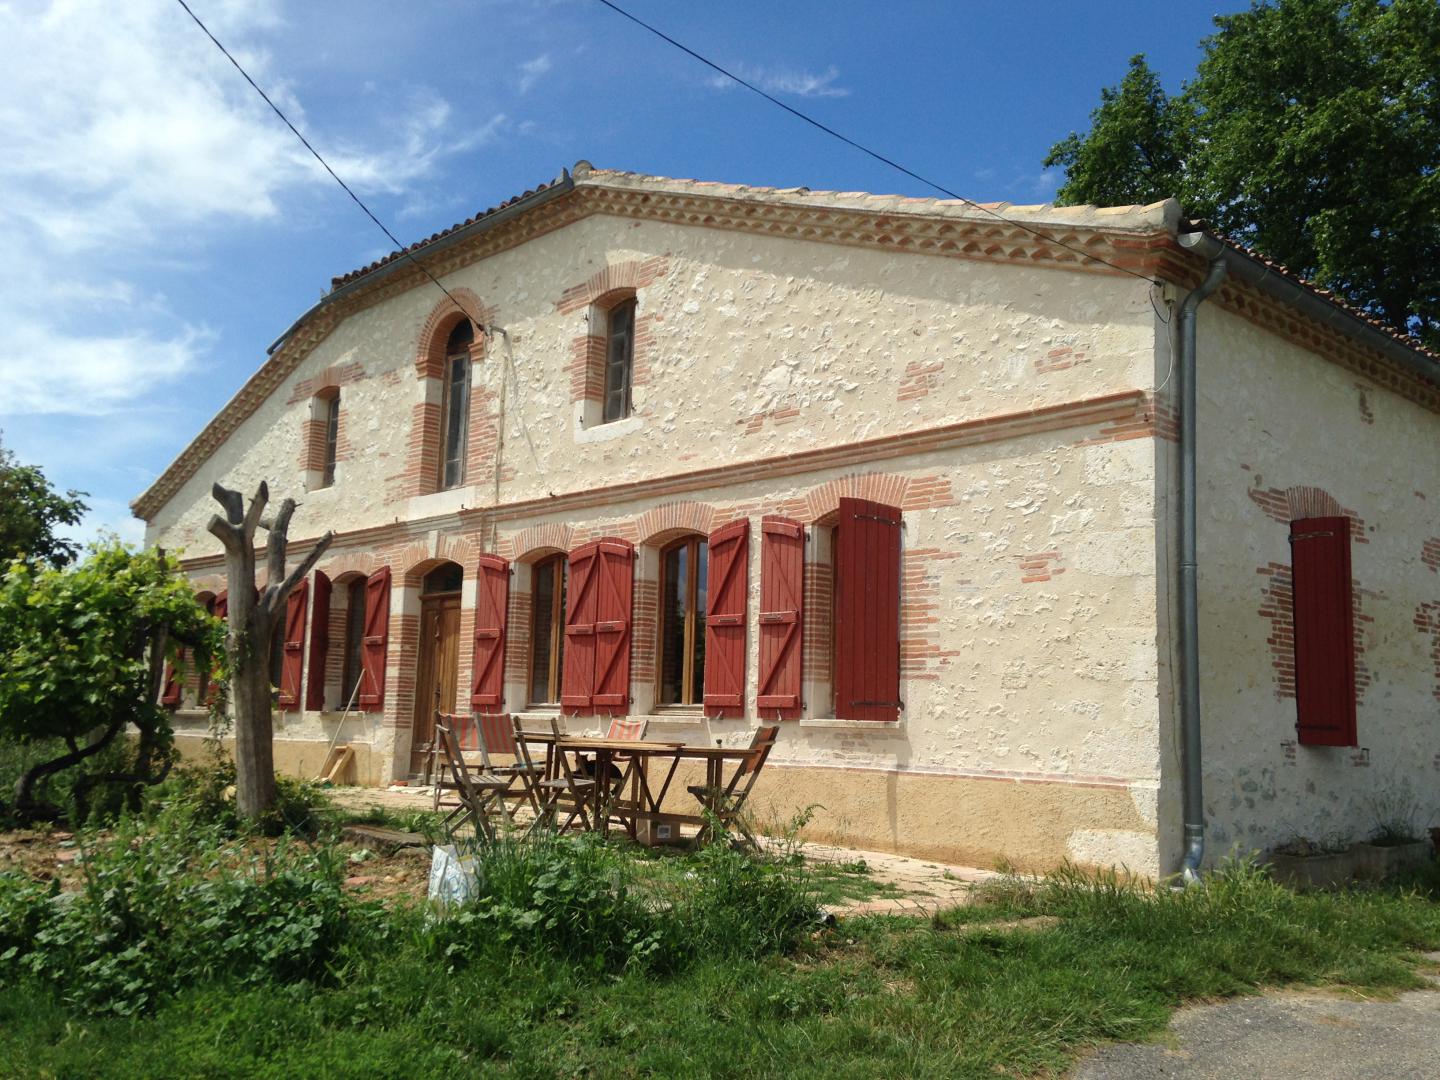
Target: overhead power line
[876, 155]
[335, 176]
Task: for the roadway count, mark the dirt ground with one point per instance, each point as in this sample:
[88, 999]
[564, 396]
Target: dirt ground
[910, 886]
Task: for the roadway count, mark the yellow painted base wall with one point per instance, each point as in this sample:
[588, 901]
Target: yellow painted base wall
[300, 758]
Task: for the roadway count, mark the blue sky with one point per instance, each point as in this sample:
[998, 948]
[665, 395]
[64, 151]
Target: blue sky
[161, 227]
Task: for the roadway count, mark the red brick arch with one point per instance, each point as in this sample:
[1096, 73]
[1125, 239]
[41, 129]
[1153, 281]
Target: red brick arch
[430, 343]
[350, 562]
[823, 501]
[536, 541]
[661, 524]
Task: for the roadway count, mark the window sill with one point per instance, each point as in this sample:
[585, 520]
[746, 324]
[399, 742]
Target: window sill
[678, 718]
[832, 724]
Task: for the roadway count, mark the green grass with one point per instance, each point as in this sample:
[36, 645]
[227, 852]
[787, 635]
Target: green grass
[964, 994]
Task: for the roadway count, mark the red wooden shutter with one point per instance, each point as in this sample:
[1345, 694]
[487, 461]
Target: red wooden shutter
[728, 591]
[782, 588]
[492, 595]
[614, 587]
[292, 664]
[578, 681]
[319, 643]
[170, 690]
[376, 639]
[1324, 632]
[867, 611]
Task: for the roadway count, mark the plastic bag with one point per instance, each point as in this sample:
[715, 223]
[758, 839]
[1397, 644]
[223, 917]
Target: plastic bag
[452, 877]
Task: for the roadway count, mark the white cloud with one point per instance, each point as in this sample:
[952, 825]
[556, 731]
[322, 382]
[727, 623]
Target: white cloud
[124, 129]
[531, 71]
[785, 81]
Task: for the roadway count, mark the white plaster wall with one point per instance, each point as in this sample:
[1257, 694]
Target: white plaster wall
[748, 325]
[1273, 415]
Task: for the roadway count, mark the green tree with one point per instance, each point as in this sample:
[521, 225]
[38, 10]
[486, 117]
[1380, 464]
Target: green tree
[30, 512]
[82, 655]
[1311, 132]
[1134, 152]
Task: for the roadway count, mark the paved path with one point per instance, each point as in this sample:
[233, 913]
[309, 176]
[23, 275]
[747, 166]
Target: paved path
[1287, 1035]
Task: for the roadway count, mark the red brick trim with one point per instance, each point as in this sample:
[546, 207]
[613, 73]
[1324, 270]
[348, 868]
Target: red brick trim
[1285, 505]
[332, 378]
[608, 285]
[1427, 621]
[435, 332]
[662, 523]
[921, 376]
[536, 542]
[1430, 554]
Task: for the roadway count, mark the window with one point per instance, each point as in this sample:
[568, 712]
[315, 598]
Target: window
[332, 438]
[683, 570]
[354, 634]
[619, 361]
[547, 637]
[865, 613]
[1324, 632]
[455, 412]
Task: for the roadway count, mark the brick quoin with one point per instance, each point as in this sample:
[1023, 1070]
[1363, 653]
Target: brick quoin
[1151, 419]
[921, 656]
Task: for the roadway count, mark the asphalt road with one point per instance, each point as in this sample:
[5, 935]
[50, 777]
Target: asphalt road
[1287, 1035]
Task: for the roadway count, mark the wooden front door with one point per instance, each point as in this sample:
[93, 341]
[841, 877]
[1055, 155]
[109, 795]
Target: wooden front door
[437, 672]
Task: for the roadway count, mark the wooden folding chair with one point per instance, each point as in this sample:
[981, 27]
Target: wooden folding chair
[497, 736]
[473, 792]
[566, 786]
[437, 773]
[727, 802]
[622, 729]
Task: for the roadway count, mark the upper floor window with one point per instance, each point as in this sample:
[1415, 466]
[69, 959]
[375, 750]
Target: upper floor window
[455, 411]
[332, 438]
[683, 572]
[619, 361]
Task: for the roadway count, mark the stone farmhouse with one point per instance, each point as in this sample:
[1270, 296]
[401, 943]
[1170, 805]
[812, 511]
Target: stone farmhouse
[909, 476]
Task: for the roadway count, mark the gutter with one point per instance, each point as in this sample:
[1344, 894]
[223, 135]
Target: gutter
[1225, 260]
[562, 185]
[1192, 769]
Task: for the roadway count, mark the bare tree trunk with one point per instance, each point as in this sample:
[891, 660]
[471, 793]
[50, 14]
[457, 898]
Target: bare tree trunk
[253, 616]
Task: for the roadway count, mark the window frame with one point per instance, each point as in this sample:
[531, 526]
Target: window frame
[693, 631]
[353, 664]
[332, 439]
[623, 368]
[557, 566]
[452, 413]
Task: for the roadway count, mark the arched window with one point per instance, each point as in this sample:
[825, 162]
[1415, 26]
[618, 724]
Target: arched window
[547, 630]
[619, 360]
[455, 408]
[683, 571]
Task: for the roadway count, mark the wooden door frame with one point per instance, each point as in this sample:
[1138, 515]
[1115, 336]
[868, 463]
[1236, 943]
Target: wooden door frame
[422, 729]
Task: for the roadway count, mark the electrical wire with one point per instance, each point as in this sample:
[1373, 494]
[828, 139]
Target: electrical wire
[865, 149]
[488, 331]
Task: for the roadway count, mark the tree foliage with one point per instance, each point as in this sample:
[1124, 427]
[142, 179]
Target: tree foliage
[30, 512]
[82, 650]
[1311, 132]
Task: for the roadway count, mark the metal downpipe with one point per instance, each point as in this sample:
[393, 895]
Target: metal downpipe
[1191, 762]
